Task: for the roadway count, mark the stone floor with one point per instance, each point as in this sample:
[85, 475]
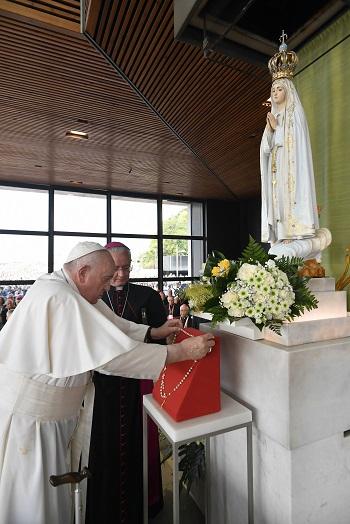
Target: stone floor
[189, 511]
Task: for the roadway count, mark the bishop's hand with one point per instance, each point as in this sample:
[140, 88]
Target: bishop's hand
[170, 327]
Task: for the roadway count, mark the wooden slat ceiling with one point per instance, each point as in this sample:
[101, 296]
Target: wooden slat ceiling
[53, 81]
[216, 108]
[62, 13]
[203, 143]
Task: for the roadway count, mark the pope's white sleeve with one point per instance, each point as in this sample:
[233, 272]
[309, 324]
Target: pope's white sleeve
[134, 331]
[144, 361]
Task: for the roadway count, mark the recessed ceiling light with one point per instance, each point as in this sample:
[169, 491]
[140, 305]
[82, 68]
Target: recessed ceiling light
[77, 134]
[77, 182]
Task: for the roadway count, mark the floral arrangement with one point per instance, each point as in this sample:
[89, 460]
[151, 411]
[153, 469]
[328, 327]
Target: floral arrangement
[267, 290]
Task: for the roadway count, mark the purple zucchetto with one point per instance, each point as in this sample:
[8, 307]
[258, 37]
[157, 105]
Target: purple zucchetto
[111, 245]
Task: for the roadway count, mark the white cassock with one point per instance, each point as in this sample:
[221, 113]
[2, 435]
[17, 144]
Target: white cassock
[48, 349]
[288, 197]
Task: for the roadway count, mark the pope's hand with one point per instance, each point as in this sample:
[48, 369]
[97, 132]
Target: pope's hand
[193, 348]
[170, 327]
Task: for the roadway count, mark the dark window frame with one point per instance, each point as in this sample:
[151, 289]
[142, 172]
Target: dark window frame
[51, 232]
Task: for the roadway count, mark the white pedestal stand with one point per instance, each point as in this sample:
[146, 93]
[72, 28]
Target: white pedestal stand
[231, 417]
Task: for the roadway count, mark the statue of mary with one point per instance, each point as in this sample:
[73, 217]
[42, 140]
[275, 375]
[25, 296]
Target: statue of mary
[289, 220]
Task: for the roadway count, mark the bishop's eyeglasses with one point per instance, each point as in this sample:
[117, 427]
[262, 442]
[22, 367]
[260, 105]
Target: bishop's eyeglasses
[123, 269]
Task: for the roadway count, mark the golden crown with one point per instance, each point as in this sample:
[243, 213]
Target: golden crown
[283, 63]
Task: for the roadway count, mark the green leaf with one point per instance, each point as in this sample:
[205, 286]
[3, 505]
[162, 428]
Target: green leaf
[192, 463]
[275, 326]
[289, 265]
[254, 252]
[212, 261]
[211, 303]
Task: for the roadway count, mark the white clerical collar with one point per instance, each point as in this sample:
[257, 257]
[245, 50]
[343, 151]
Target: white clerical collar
[69, 281]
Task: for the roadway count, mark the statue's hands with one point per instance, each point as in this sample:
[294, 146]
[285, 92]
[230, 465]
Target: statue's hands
[193, 348]
[271, 121]
[170, 327]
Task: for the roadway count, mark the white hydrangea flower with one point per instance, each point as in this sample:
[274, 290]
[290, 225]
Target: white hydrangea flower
[261, 293]
[270, 263]
[236, 312]
[246, 271]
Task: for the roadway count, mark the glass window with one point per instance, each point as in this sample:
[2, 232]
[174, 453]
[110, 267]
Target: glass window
[25, 209]
[153, 284]
[182, 258]
[63, 245]
[74, 212]
[196, 257]
[197, 218]
[80, 212]
[177, 286]
[176, 218]
[175, 258]
[144, 255]
[23, 257]
[134, 215]
[14, 290]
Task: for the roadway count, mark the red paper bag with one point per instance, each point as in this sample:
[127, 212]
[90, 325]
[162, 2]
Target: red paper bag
[190, 388]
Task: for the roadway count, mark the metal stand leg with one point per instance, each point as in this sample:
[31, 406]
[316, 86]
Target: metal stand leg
[145, 467]
[77, 504]
[250, 474]
[207, 480]
[176, 486]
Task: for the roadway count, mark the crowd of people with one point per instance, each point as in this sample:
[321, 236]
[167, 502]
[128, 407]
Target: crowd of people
[177, 307]
[10, 297]
[174, 305]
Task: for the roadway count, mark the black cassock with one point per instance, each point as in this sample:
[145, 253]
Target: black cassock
[115, 491]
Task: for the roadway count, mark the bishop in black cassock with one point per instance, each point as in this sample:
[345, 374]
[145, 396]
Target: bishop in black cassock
[115, 490]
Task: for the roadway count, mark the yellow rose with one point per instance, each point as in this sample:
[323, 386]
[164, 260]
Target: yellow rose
[215, 271]
[221, 269]
[224, 264]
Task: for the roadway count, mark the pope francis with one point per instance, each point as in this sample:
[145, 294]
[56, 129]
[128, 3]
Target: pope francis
[56, 337]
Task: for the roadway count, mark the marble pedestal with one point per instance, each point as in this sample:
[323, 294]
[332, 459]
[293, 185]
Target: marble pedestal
[300, 397]
[329, 321]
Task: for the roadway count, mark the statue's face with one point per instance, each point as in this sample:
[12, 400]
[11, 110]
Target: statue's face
[278, 94]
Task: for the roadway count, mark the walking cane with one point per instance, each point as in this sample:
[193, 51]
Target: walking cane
[73, 477]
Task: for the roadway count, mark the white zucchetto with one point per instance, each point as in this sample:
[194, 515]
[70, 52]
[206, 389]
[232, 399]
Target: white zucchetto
[82, 249]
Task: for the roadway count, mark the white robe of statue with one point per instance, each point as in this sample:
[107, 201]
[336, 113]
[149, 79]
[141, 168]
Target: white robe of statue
[289, 208]
[48, 349]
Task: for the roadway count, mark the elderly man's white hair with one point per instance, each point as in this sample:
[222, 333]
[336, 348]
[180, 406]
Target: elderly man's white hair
[118, 247]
